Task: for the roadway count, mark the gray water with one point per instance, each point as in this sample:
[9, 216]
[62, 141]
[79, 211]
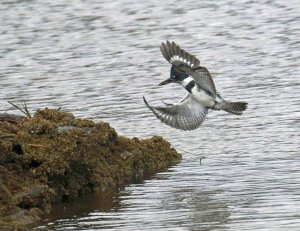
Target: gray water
[98, 58]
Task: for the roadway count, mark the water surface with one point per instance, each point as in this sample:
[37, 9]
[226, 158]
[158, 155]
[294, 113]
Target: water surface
[98, 58]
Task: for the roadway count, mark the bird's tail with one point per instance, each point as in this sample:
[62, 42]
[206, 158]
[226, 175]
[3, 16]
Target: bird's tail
[236, 108]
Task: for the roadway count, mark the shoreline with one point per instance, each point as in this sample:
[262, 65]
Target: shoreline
[54, 157]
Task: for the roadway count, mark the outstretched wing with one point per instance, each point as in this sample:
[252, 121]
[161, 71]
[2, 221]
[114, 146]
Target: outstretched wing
[177, 56]
[185, 115]
[188, 64]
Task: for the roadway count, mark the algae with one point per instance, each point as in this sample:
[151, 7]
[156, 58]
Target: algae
[54, 156]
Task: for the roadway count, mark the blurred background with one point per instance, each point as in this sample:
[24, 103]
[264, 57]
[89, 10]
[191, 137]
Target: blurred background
[97, 59]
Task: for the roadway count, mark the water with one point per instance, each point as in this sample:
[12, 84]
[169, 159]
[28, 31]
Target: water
[98, 58]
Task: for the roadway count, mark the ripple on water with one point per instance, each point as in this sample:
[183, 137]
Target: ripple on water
[99, 59]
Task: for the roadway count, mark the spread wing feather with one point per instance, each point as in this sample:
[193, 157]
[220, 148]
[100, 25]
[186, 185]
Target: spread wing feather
[177, 56]
[184, 115]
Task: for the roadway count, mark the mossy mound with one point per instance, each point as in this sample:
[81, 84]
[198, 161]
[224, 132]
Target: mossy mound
[54, 156]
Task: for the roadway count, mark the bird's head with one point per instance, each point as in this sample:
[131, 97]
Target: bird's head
[176, 76]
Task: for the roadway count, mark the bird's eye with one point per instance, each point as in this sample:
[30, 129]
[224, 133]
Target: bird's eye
[173, 76]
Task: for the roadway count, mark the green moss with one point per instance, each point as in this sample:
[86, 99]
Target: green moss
[54, 156]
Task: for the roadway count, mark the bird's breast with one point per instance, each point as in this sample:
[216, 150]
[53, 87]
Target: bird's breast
[203, 97]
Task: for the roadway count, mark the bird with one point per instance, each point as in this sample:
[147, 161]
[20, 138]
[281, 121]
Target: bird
[190, 112]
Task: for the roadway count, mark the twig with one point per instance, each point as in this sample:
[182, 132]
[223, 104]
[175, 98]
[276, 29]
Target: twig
[201, 157]
[7, 136]
[8, 109]
[37, 145]
[17, 107]
[25, 110]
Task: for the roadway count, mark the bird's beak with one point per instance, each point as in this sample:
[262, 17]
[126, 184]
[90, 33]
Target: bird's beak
[166, 82]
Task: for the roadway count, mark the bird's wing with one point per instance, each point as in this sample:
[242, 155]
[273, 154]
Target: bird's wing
[188, 64]
[185, 115]
[203, 78]
[177, 56]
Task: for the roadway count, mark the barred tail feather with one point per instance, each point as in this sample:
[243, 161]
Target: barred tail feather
[236, 108]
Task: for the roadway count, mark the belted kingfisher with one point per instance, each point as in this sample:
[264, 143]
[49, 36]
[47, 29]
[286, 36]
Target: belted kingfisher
[190, 112]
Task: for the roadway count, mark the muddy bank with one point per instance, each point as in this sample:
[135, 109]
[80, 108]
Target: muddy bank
[54, 156]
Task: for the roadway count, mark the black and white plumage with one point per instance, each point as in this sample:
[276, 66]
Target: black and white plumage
[185, 115]
[189, 64]
[191, 111]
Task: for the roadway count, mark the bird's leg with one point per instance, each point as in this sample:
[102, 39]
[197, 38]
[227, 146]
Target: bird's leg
[168, 104]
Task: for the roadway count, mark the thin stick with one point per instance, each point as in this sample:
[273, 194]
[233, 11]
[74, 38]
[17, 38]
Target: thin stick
[25, 107]
[37, 145]
[25, 111]
[201, 157]
[17, 107]
[7, 136]
[9, 109]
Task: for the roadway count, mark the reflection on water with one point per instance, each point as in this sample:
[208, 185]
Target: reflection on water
[97, 59]
[169, 207]
[205, 209]
[94, 201]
